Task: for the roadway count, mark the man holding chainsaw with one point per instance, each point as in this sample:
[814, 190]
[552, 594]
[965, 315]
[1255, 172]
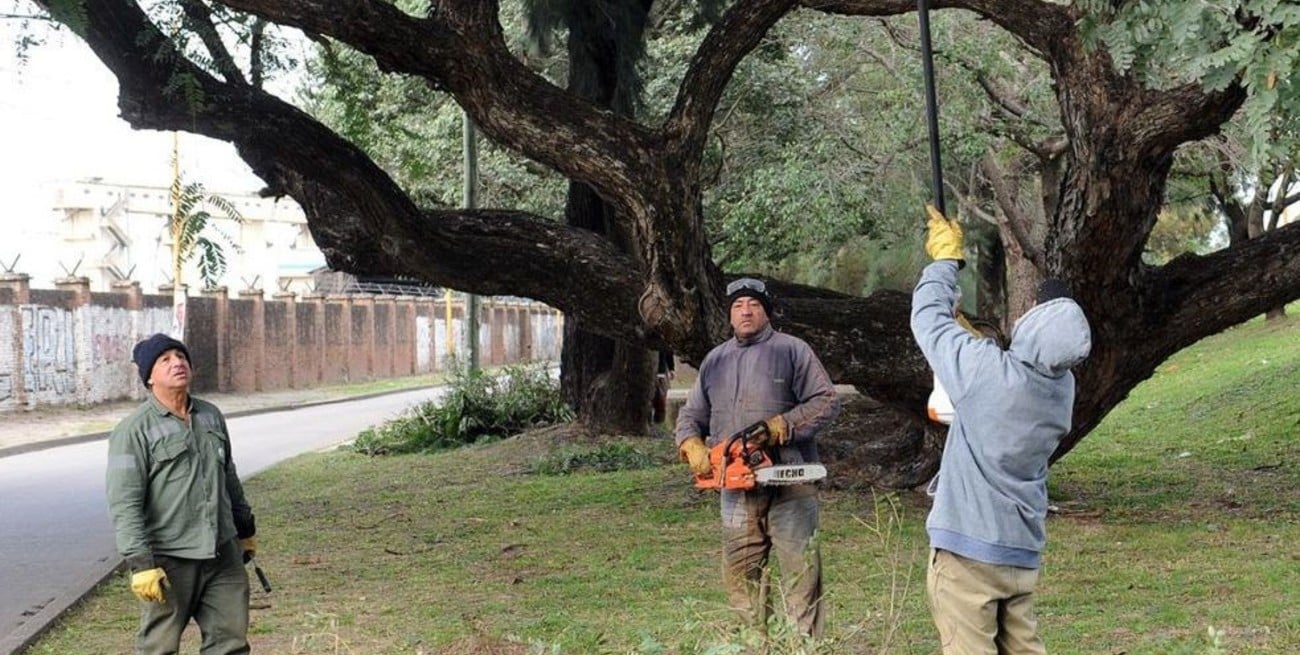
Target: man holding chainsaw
[772, 388]
[987, 526]
[178, 509]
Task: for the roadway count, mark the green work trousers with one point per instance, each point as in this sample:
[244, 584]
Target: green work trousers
[756, 523]
[982, 609]
[213, 592]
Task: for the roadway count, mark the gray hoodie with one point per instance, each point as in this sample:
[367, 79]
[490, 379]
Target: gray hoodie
[1012, 409]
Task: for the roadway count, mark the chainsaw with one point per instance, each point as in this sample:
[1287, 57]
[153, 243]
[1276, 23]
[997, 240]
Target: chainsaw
[740, 464]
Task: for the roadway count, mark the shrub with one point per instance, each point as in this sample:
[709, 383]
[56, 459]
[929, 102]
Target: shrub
[615, 456]
[478, 406]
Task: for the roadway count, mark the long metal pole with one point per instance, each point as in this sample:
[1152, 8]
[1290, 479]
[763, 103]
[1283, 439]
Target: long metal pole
[938, 405]
[931, 104]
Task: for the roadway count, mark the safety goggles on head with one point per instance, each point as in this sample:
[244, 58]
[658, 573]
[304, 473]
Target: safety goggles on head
[746, 283]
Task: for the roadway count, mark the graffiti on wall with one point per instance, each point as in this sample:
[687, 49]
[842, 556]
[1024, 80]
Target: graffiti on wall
[55, 356]
[110, 343]
[110, 339]
[547, 335]
[7, 391]
[49, 360]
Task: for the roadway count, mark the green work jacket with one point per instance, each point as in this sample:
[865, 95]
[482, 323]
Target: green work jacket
[172, 486]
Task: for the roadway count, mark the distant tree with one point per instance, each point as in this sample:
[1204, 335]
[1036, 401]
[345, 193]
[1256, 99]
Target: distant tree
[196, 238]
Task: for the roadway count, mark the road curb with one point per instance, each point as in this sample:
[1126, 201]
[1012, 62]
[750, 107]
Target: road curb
[36, 625]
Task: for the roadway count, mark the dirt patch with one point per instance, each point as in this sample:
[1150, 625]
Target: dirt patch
[21, 427]
[484, 645]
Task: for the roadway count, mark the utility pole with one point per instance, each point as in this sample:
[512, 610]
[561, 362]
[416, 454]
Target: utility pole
[470, 151]
[178, 288]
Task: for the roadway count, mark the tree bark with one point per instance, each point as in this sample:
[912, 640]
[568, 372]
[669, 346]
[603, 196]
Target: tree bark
[609, 382]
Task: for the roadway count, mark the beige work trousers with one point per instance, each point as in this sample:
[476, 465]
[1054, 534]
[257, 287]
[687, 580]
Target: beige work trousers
[982, 609]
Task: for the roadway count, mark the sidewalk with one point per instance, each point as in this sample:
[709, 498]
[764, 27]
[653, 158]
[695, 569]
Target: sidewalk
[25, 431]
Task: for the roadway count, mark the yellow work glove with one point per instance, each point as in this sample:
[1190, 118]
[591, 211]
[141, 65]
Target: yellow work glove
[695, 453]
[249, 546]
[148, 585]
[965, 324]
[778, 430]
[773, 431]
[944, 239]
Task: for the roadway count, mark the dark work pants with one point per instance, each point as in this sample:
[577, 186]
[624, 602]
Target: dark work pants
[213, 592]
[780, 519]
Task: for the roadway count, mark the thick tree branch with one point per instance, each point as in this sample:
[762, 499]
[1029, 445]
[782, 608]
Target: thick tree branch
[738, 32]
[198, 18]
[1197, 294]
[1038, 24]
[460, 49]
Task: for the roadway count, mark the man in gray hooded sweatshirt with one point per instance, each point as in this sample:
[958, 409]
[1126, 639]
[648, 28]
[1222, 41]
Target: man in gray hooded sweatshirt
[987, 525]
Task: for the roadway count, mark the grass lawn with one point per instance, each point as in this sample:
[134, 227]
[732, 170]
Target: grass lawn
[1176, 533]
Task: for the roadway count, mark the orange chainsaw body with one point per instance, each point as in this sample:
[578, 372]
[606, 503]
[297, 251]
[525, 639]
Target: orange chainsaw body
[734, 461]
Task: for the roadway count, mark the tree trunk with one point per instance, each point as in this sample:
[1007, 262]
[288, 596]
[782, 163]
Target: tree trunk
[991, 271]
[609, 382]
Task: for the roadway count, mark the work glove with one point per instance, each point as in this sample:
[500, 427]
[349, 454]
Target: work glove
[771, 432]
[965, 325]
[943, 240]
[695, 453]
[249, 546]
[148, 585]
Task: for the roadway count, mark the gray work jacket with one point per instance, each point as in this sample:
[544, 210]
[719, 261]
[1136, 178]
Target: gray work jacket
[743, 382]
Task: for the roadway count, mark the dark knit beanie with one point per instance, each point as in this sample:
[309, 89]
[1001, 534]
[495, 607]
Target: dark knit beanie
[148, 351]
[748, 287]
[1053, 288]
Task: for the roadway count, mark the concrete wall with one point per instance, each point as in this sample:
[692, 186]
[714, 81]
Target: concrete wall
[69, 346]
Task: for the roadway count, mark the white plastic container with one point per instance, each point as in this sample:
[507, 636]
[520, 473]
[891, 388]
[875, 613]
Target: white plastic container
[939, 406]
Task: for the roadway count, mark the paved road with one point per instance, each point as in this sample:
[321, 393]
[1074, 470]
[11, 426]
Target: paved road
[56, 542]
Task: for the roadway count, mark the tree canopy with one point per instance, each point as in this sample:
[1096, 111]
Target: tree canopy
[1118, 111]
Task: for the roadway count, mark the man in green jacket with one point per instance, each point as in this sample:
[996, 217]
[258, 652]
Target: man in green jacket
[178, 509]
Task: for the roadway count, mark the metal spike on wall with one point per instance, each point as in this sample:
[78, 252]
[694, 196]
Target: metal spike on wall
[73, 272]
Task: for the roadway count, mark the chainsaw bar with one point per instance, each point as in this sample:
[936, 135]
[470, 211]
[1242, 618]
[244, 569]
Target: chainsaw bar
[784, 474]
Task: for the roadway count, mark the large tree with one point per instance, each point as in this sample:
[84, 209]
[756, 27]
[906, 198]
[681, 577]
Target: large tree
[663, 288]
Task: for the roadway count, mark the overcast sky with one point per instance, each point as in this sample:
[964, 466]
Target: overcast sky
[59, 122]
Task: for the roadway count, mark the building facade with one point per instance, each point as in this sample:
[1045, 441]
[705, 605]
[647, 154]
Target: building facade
[114, 233]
